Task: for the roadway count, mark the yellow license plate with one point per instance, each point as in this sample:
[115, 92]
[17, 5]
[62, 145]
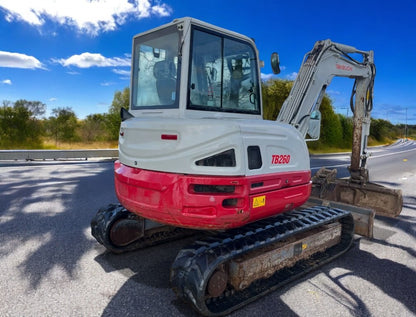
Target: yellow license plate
[259, 201]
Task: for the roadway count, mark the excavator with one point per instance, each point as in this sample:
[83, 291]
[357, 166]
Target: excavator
[197, 158]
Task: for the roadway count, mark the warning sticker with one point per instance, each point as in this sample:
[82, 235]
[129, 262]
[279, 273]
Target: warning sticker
[259, 201]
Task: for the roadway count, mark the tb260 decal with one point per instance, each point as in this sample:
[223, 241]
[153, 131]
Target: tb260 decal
[280, 159]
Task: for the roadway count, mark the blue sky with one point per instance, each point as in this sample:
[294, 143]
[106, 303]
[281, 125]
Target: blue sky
[76, 53]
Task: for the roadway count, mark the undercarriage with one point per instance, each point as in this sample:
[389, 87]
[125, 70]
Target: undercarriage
[224, 270]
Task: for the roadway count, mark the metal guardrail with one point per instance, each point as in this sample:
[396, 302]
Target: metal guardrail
[30, 155]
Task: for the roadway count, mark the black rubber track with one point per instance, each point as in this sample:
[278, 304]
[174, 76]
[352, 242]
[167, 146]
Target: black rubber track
[106, 216]
[195, 264]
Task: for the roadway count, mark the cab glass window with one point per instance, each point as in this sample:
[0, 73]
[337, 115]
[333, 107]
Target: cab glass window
[223, 74]
[156, 70]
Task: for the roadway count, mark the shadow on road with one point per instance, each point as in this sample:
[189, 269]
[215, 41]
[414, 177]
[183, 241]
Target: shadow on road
[394, 279]
[409, 202]
[147, 291]
[52, 232]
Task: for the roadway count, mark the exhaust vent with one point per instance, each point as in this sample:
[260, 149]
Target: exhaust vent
[223, 159]
[213, 189]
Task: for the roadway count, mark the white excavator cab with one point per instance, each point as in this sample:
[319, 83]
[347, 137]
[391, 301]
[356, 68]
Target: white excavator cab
[192, 69]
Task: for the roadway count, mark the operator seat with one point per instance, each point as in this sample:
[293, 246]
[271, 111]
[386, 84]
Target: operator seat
[164, 72]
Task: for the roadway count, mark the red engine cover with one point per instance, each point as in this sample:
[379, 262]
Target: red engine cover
[209, 202]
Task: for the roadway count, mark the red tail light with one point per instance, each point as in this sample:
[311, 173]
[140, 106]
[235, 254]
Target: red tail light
[169, 137]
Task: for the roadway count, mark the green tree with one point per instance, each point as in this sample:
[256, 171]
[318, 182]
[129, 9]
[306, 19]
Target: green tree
[274, 93]
[62, 125]
[121, 100]
[331, 129]
[399, 131]
[19, 127]
[347, 127]
[381, 129]
[36, 108]
[93, 128]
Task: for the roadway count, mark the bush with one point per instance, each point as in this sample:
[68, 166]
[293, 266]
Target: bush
[19, 127]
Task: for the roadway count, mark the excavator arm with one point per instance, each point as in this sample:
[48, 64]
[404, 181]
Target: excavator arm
[301, 109]
[326, 61]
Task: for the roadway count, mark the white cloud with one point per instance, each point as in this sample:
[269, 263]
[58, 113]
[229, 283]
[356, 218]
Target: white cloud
[91, 17]
[125, 73]
[106, 84]
[17, 60]
[87, 60]
[266, 77]
[292, 76]
[162, 10]
[6, 82]
[53, 99]
[333, 92]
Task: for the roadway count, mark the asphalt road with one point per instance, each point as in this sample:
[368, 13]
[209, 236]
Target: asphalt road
[51, 266]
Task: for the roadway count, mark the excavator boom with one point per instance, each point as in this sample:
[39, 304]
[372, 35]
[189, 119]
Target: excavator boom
[324, 62]
[301, 109]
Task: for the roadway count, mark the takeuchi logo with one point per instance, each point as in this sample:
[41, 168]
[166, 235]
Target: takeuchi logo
[344, 67]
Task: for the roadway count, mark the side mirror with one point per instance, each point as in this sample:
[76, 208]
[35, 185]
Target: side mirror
[125, 114]
[275, 63]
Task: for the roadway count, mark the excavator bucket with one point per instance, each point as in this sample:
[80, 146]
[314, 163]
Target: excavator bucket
[384, 201]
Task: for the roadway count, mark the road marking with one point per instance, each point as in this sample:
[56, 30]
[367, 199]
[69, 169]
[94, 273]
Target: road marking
[333, 166]
[389, 154]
